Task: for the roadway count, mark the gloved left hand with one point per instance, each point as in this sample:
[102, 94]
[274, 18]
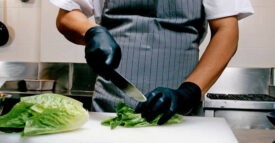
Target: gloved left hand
[168, 102]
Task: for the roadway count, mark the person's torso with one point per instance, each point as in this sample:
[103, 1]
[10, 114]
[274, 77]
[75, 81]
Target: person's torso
[159, 39]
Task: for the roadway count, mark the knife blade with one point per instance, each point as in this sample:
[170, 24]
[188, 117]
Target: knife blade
[127, 87]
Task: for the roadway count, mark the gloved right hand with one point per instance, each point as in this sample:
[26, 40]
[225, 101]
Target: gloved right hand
[102, 52]
[167, 102]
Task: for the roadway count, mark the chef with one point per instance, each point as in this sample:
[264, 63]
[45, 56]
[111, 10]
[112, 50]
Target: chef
[155, 45]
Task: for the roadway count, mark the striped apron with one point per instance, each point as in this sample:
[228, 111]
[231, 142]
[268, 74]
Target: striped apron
[159, 41]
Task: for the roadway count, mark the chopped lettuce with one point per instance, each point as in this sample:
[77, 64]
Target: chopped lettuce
[126, 117]
[44, 114]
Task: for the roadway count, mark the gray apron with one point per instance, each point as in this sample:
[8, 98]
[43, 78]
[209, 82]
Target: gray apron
[159, 41]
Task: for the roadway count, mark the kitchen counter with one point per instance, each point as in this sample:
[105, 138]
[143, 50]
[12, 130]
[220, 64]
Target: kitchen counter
[191, 130]
[254, 135]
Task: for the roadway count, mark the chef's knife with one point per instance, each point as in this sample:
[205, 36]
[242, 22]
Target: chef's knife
[127, 87]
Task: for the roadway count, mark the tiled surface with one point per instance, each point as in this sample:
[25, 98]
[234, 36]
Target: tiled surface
[265, 3]
[54, 47]
[20, 4]
[23, 22]
[259, 29]
[254, 57]
[62, 52]
[29, 35]
[26, 21]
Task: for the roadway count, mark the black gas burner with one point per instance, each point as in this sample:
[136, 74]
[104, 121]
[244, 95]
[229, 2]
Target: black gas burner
[241, 97]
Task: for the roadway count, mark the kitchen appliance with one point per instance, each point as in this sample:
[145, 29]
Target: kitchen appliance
[4, 33]
[191, 130]
[127, 87]
[241, 110]
[240, 101]
[242, 97]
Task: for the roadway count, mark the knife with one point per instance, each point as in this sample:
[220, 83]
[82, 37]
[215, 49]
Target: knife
[127, 87]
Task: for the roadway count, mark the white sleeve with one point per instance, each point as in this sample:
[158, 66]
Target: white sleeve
[223, 8]
[86, 6]
[98, 7]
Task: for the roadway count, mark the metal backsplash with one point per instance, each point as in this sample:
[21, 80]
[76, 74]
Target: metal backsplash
[243, 81]
[78, 76]
[242, 114]
[68, 76]
[16, 70]
[56, 71]
[83, 78]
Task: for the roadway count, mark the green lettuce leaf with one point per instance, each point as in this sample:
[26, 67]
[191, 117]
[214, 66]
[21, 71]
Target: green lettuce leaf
[44, 114]
[17, 117]
[127, 117]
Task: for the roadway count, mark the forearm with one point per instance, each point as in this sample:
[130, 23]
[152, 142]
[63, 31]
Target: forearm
[73, 25]
[222, 47]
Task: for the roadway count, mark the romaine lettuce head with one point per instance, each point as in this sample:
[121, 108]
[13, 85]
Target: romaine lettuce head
[44, 114]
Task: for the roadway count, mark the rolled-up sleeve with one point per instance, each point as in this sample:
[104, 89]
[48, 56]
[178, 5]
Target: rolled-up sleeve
[86, 6]
[215, 9]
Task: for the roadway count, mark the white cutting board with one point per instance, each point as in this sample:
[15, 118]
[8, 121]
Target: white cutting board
[191, 130]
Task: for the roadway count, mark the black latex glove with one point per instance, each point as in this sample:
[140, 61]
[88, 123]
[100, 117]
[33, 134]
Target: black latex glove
[102, 52]
[168, 102]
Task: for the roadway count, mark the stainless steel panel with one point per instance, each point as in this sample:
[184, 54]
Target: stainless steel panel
[17, 70]
[55, 71]
[245, 119]
[243, 81]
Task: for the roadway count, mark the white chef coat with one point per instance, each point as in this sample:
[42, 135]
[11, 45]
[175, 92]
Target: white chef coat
[213, 8]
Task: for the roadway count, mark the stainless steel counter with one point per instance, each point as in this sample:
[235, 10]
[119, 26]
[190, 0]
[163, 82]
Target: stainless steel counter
[254, 135]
